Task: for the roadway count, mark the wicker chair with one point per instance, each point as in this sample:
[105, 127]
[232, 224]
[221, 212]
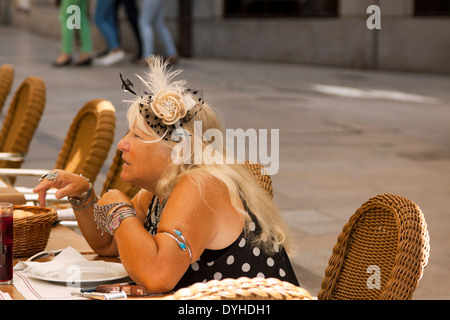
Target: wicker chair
[21, 121]
[6, 80]
[242, 289]
[259, 171]
[89, 139]
[113, 180]
[380, 254]
[86, 144]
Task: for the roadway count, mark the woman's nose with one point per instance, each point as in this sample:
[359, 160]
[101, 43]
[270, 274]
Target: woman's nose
[123, 145]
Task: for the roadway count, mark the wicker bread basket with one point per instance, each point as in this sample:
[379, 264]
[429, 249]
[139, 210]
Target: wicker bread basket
[31, 234]
[243, 289]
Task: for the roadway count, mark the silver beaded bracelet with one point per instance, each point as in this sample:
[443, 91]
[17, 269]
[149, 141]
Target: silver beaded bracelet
[109, 221]
[116, 217]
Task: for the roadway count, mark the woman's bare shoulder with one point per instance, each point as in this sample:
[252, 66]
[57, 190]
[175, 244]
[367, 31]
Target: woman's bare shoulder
[209, 188]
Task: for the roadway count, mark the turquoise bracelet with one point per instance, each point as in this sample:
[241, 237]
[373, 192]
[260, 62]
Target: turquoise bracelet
[181, 241]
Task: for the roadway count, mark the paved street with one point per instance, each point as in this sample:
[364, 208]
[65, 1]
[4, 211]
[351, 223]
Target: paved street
[345, 136]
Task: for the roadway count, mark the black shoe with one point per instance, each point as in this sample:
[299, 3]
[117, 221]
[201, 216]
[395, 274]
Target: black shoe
[83, 63]
[62, 64]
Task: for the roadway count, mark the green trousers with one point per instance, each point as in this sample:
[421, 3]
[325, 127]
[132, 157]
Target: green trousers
[67, 30]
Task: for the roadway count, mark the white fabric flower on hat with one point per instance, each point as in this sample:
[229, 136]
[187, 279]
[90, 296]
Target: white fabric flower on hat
[169, 106]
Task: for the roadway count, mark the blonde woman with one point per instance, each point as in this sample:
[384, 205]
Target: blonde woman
[190, 222]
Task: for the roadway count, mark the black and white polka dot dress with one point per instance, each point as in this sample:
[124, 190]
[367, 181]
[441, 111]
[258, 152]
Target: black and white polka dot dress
[240, 259]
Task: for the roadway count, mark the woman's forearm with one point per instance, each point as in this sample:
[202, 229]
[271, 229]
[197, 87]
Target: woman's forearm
[101, 244]
[143, 258]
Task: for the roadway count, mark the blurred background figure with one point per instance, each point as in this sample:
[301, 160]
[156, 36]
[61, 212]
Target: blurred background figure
[105, 19]
[151, 22]
[68, 35]
[132, 12]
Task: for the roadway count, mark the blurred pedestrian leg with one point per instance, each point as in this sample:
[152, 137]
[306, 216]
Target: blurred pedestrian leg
[151, 22]
[106, 22]
[68, 33]
[132, 12]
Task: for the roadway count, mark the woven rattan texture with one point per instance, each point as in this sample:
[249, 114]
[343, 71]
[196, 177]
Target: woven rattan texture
[243, 289]
[89, 139]
[22, 119]
[113, 179]
[31, 234]
[6, 81]
[260, 173]
[387, 232]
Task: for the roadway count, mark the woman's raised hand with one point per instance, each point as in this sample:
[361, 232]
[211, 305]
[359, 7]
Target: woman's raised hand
[68, 184]
[113, 196]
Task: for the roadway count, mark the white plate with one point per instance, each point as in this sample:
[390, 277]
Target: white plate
[78, 272]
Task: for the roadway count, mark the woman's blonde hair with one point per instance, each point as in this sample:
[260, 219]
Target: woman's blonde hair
[241, 184]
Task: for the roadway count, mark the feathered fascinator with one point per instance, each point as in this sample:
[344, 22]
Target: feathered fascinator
[166, 103]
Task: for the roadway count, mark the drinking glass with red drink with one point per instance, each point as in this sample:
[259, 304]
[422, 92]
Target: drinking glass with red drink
[6, 243]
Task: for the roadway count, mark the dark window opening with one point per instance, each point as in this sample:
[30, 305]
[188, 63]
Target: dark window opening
[427, 8]
[280, 8]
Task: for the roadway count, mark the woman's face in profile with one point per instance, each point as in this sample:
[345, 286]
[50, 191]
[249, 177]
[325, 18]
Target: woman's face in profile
[144, 162]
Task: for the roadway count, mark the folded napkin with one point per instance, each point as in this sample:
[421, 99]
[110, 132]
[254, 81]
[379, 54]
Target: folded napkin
[35, 289]
[66, 214]
[68, 254]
